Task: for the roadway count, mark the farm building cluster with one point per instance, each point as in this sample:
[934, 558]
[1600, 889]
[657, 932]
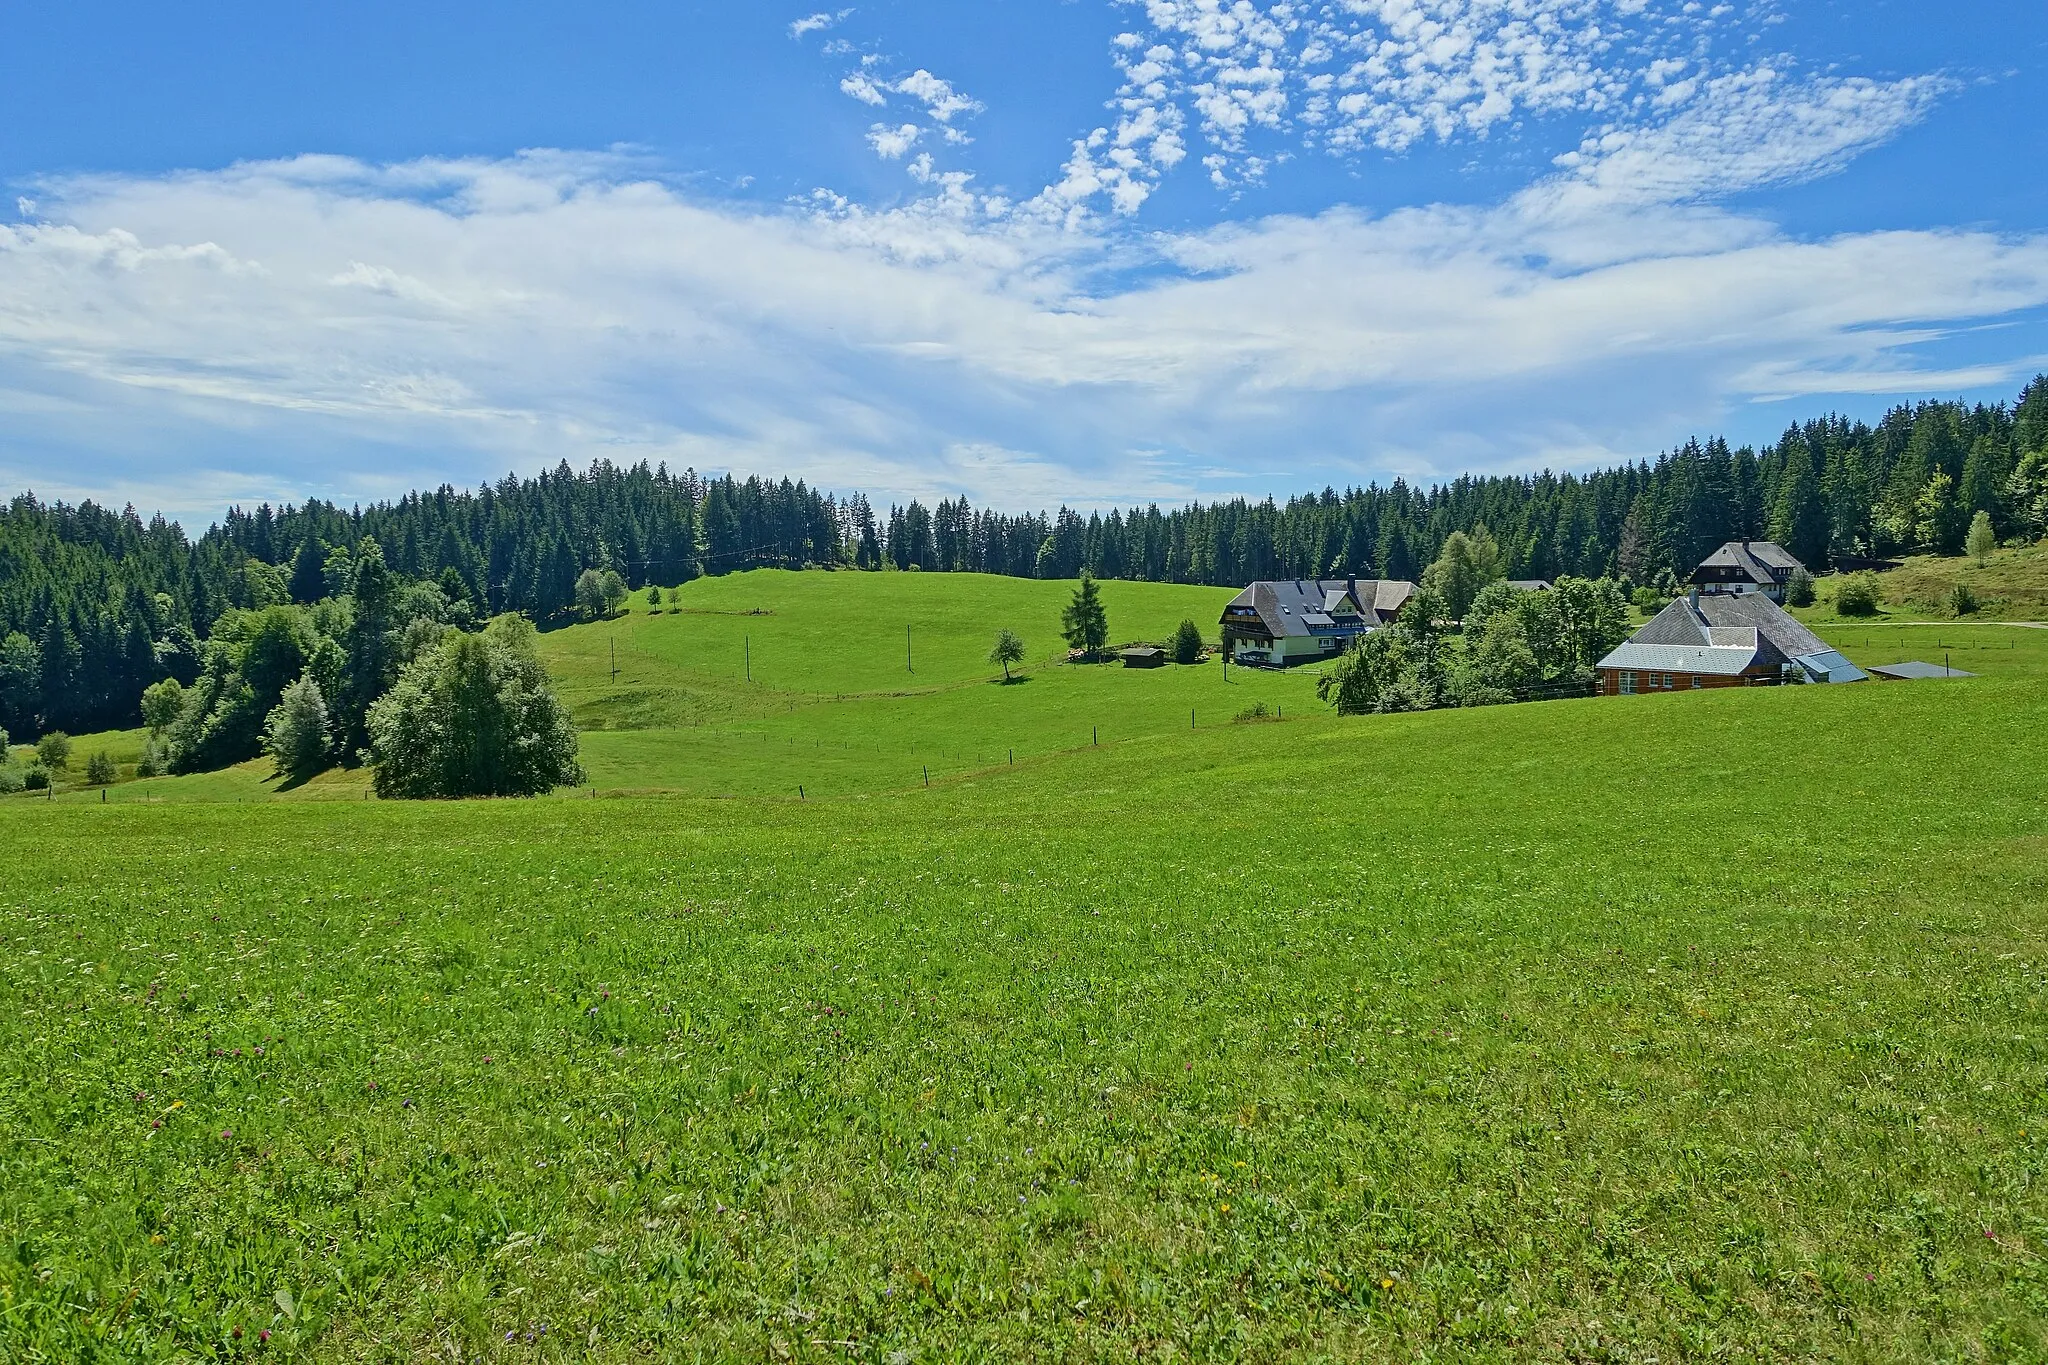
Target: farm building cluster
[1730, 629]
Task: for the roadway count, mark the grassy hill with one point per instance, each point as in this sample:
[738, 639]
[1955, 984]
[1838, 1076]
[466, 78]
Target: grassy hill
[1694, 1026]
[2011, 585]
[1689, 1026]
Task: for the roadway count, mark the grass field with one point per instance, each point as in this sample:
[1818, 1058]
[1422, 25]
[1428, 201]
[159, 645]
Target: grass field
[1704, 1026]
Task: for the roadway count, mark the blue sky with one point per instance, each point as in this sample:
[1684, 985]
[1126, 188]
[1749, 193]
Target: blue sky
[1024, 250]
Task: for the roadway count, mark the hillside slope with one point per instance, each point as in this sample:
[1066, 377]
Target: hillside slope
[1698, 1026]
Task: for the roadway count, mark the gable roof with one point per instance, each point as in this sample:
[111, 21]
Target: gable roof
[1726, 621]
[1729, 661]
[1763, 562]
[1309, 606]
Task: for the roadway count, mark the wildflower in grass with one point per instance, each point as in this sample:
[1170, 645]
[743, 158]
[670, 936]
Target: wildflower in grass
[226, 1133]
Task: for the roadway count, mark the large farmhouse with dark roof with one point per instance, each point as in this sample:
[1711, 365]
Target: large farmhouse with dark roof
[1747, 566]
[1721, 640]
[1296, 620]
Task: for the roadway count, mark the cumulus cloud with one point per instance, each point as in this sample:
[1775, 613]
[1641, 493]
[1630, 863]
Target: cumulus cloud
[322, 313]
[891, 143]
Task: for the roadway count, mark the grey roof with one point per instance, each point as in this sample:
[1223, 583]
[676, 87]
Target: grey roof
[1306, 606]
[1830, 666]
[1755, 560]
[1719, 660]
[1703, 621]
[1917, 669]
[1530, 584]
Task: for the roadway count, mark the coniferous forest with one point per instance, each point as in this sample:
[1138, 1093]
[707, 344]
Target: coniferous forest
[97, 605]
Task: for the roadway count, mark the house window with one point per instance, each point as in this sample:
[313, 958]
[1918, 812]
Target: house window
[1698, 682]
[1628, 684]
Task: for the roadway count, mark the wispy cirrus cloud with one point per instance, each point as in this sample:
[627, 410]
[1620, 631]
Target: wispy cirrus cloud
[817, 23]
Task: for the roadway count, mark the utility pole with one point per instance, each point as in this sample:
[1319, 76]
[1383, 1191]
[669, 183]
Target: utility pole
[615, 658]
[909, 665]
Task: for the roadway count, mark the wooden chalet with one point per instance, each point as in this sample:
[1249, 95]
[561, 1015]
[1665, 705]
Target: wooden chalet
[1747, 566]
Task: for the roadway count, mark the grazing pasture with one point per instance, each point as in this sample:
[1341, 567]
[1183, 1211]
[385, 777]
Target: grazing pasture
[1696, 1026]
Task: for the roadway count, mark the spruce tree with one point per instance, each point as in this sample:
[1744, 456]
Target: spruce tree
[1083, 621]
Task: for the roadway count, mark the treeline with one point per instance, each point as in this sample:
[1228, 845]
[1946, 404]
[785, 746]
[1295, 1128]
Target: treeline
[95, 605]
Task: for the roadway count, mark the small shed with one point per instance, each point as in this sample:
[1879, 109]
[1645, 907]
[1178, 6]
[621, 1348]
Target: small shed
[1915, 670]
[1144, 656]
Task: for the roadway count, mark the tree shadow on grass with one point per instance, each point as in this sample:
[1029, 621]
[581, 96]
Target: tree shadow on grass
[1014, 680]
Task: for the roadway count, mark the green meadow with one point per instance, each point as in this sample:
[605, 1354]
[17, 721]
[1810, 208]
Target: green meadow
[1688, 1027]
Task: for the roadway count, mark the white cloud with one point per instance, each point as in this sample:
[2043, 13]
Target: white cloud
[939, 98]
[891, 143]
[323, 315]
[863, 89]
[816, 23]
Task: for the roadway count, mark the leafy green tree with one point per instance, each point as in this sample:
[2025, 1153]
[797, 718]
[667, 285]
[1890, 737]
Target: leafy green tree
[296, 733]
[1982, 540]
[1466, 564]
[263, 585]
[475, 716]
[1495, 600]
[161, 703]
[1503, 662]
[53, 751]
[1962, 600]
[100, 769]
[599, 593]
[1799, 589]
[1083, 621]
[1366, 672]
[1187, 643]
[1008, 650]
[653, 598]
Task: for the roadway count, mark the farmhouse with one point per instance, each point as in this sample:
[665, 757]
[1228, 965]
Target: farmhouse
[1721, 640]
[1747, 566]
[1295, 620]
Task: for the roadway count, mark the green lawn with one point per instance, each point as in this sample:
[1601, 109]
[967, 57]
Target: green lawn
[1703, 1026]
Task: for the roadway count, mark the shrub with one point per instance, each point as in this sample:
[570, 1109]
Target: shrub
[296, 733]
[474, 716]
[1255, 712]
[10, 779]
[155, 760]
[53, 750]
[1858, 595]
[1647, 599]
[37, 778]
[100, 770]
[1186, 647]
[1799, 589]
[1962, 601]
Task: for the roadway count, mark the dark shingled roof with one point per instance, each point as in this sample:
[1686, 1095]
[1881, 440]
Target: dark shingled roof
[1304, 606]
[1697, 621]
[1754, 559]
